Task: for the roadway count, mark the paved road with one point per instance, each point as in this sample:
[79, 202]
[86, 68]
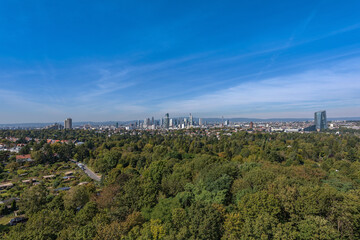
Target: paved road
[88, 172]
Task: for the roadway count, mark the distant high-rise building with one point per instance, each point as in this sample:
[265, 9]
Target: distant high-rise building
[152, 121]
[117, 125]
[68, 123]
[200, 121]
[54, 126]
[167, 121]
[320, 120]
[251, 125]
[144, 123]
[191, 120]
[171, 122]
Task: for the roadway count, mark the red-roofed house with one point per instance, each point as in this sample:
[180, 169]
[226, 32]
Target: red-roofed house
[23, 158]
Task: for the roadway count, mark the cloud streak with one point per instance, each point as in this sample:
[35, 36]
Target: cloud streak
[324, 88]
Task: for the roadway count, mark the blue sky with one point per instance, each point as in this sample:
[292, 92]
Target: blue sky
[123, 60]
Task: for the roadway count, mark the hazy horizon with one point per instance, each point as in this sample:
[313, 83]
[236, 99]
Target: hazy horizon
[175, 117]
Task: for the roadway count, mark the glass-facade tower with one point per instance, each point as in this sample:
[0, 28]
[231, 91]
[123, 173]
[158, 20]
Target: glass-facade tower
[167, 121]
[320, 120]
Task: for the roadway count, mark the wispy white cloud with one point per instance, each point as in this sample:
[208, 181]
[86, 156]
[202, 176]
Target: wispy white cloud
[107, 82]
[289, 42]
[120, 75]
[20, 108]
[337, 87]
[110, 92]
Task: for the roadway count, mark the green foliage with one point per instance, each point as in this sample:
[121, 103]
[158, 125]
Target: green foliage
[34, 199]
[42, 225]
[163, 209]
[177, 185]
[86, 213]
[315, 227]
[77, 197]
[205, 222]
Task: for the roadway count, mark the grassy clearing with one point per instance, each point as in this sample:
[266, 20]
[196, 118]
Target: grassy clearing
[5, 219]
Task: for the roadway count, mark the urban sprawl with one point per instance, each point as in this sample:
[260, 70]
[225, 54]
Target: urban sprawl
[166, 123]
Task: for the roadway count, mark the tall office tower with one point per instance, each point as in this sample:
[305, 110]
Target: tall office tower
[171, 122]
[320, 120]
[167, 121]
[145, 122]
[68, 123]
[152, 121]
[200, 121]
[191, 120]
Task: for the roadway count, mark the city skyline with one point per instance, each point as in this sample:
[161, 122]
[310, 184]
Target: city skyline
[167, 122]
[178, 120]
[177, 116]
[117, 61]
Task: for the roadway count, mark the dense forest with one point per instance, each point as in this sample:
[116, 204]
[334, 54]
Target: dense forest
[181, 185]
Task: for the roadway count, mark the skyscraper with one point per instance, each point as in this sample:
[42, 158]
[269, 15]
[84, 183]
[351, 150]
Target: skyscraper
[191, 120]
[320, 120]
[144, 123]
[167, 121]
[68, 123]
[200, 121]
[171, 122]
